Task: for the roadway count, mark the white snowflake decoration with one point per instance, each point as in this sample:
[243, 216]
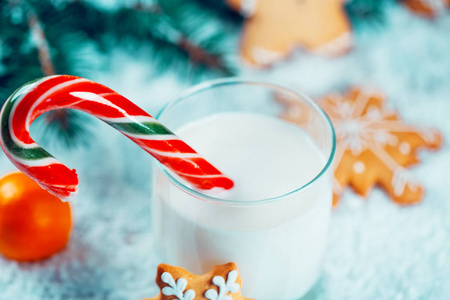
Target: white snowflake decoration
[224, 287]
[176, 288]
[357, 131]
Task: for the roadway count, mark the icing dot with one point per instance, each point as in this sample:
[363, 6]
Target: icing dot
[359, 167]
[405, 148]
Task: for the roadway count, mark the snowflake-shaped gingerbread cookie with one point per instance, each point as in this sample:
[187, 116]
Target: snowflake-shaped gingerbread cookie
[221, 283]
[374, 147]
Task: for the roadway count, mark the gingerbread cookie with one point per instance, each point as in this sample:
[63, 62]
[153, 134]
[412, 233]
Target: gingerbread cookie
[274, 28]
[374, 147]
[221, 283]
[428, 8]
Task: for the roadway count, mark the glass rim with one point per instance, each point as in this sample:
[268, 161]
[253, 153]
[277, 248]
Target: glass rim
[198, 88]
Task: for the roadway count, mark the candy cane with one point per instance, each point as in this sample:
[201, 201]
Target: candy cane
[62, 91]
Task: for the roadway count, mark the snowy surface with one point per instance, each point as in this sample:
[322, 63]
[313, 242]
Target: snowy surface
[377, 250]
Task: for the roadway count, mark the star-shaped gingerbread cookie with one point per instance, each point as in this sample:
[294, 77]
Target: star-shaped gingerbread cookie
[221, 283]
[428, 8]
[374, 147]
[274, 28]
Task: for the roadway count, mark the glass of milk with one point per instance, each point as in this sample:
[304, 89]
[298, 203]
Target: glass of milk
[273, 224]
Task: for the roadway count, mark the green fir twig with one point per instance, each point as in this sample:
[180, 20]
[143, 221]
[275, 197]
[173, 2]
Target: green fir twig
[176, 32]
[39, 38]
[367, 12]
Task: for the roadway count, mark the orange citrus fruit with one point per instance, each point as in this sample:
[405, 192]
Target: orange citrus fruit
[34, 224]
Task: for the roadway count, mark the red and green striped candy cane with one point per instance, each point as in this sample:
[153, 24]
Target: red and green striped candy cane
[62, 91]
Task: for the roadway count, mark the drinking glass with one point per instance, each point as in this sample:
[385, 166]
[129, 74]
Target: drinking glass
[277, 243]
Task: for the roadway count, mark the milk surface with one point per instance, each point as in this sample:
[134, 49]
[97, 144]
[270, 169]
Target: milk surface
[279, 245]
[264, 156]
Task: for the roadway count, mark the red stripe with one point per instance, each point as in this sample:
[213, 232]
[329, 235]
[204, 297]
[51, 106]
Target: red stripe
[56, 178]
[207, 184]
[173, 146]
[194, 166]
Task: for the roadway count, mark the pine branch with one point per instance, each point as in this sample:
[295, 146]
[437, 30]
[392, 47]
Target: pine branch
[35, 59]
[198, 55]
[70, 128]
[221, 10]
[19, 61]
[203, 41]
[60, 36]
[171, 29]
[41, 43]
[367, 12]
[40, 38]
[59, 121]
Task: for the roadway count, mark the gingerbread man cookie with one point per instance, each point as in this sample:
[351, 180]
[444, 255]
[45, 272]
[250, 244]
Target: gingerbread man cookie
[374, 147]
[274, 28]
[221, 283]
[428, 8]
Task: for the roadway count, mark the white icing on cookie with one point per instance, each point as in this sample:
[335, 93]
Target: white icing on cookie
[402, 179]
[176, 288]
[337, 46]
[265, 57]
[224, 287]
[404, 148]
[359, 167]
[248, 7]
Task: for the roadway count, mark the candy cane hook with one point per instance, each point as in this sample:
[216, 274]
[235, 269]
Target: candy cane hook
[62, 91]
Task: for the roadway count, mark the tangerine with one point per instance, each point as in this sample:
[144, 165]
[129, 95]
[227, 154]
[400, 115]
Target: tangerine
[34, 224]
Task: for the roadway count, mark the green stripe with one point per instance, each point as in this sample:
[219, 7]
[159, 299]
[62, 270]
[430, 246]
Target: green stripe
[146, 128]
[28, 154]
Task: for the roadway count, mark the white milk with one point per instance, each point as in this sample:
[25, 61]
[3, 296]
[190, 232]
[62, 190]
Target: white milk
[279, 245]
